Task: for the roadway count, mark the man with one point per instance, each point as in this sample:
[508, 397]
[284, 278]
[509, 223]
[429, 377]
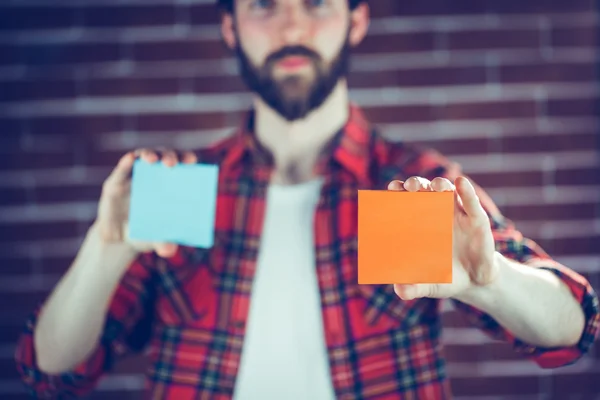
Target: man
[273, 310]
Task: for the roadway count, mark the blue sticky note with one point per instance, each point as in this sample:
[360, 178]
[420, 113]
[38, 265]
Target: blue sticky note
[173, 204]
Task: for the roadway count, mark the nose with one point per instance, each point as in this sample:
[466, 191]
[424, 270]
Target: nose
[295, 25]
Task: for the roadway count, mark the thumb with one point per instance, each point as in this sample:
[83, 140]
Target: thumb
[166, 250]
[411, 292]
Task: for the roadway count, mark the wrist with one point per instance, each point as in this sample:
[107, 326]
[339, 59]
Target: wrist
[100, 257]
[96, 239]
[485, 296]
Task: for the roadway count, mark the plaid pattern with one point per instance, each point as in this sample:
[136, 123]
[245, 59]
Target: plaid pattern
[189, 312]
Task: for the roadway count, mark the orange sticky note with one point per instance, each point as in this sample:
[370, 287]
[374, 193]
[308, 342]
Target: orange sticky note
[404, 237]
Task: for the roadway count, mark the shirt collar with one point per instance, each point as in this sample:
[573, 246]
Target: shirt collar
[354, 147]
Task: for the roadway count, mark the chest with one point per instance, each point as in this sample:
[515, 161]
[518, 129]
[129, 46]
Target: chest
[203, 300]
[212, 288]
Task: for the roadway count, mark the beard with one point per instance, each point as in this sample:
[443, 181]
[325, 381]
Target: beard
[294, 96]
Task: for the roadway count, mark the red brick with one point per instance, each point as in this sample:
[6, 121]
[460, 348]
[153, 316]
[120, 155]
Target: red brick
[203, 14]
[57, 194]
[59, 54]
[76, 125]
[573, 246]
[405, 42]
[371, 80]
[16, 232]
[579, 176]
[555, 212]
[415, 8]
[38, 89]
[451, 147]
[484, 7]
[474, 353]
[547, 72]
[50, 194]
[22, 395]
[586, 382]
[57, 265]
[222, 84]
[16, 266]
[441, 76]
[13, 196]
[190, 49]
[574, 37]
[526, 143]
[103, 158]
[493, 180]
[404, 113]
[10, 329]
[418, 77]
[539, 6]
[8, 369]
[182, 122]
[487, 110]
[11, 129]
[132, 86]
[462, 353]
[466, 40]
[37, 17]
[129, 15]
[543, 143]
[52, 266]
[22, 303]
[573, 107]
[494, 386]
[587, 176]
[34, 160]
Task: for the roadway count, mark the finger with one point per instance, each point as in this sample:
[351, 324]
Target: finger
[417, 184]
[122, 170]
[189, 157]
[397, 186]
[470, 200]
[166, 250]
[169, 158]
[440, 184]
[147, 155]
[458, 204]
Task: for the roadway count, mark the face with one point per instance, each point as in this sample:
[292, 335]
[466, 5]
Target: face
[292, 53]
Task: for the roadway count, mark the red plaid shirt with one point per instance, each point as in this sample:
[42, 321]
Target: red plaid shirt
[190, 311]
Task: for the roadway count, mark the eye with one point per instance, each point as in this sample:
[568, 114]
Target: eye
[316, 3]
[262, 4]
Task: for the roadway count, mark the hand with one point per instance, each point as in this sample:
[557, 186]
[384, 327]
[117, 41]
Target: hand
[473, 249]
[113, 208]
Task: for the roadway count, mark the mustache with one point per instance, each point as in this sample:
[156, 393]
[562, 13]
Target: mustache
[292, 51]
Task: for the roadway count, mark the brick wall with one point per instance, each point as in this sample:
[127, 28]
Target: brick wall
[507, 88]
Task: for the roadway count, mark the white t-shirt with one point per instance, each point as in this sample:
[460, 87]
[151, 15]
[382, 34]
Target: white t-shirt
[284, 354]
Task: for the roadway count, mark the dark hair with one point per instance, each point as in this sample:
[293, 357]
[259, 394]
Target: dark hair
[227, 5]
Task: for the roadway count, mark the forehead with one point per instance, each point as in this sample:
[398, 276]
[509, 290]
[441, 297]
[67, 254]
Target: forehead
[292, 2]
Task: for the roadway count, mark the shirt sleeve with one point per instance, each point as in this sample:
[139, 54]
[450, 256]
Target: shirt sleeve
[126, 331]
[513, 245]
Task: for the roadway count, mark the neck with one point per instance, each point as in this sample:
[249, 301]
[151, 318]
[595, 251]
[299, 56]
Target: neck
[296, 145]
